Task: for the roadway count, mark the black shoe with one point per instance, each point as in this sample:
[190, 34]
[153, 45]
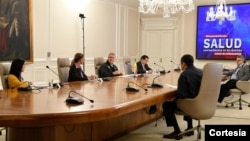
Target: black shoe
[191, 133]
[173, 135]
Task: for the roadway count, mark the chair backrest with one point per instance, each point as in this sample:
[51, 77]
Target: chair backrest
[203, 106]
[4, 71]
[63, 66]
[98, 61]
[127, 65]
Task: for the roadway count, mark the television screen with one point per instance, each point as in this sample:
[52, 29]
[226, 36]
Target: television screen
[225, 40]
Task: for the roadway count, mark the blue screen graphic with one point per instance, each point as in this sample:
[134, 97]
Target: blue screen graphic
[226, 40]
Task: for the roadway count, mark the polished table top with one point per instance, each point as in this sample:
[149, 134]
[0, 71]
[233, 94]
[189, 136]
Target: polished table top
[47, 107]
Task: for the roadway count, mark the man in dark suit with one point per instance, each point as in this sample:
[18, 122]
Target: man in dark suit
[241, 72]
[142, 65]
[188, 87]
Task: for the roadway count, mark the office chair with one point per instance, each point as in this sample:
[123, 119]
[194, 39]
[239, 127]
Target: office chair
[243, 87]
[127, 65]
[63, 66]
[203, 106]
[98, 61]
[4, 71]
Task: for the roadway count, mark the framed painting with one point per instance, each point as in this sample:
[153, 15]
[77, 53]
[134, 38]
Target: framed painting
[15, 30]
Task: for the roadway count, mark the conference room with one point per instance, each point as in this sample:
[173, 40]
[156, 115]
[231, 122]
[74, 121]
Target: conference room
[59, 29]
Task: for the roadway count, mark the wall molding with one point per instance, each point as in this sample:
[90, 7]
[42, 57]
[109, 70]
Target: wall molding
[159, 23]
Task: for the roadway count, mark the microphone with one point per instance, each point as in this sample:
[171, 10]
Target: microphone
[77, 100]
[155, 85]
[178, 67]
[60, 83]
[134, 89]
[162, 71]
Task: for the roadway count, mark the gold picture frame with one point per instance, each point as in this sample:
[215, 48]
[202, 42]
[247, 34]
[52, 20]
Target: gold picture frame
[16, 30]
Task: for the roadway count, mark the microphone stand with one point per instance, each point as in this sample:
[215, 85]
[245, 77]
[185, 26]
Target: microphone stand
[155, 85]
[178, 67]
[76, 99]
[51, 70]
[83, 43]
[162, 71]
[134, 89]
[60, 84]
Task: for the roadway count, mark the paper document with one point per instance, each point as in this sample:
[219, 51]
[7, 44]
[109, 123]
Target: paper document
[171, 86]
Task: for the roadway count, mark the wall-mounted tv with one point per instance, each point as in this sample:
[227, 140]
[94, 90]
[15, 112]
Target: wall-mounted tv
[226, 40]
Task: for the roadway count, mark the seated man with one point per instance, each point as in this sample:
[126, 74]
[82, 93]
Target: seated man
[241, 72]
[142, 65]
[188, 87]
[109, 69]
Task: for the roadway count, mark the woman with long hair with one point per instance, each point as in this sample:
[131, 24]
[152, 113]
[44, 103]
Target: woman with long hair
[76, 73]
[14, 78]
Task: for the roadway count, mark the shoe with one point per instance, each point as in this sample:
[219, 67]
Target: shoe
[191, 133]
[173, 135]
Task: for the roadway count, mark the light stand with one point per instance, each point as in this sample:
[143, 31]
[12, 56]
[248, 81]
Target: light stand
[82, 19]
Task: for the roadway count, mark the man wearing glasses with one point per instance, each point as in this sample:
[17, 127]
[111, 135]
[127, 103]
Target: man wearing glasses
[241, 72]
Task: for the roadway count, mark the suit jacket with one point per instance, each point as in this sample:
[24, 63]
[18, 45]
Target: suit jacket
[189, 83]
[76, 74]
[140, 69]
[243, 74]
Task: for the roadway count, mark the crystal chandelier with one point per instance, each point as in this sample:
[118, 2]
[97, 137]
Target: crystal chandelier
[221, 12]
[169, 6]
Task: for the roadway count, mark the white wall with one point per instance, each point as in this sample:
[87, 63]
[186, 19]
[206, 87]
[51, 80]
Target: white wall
[58, 29]
[108, 27]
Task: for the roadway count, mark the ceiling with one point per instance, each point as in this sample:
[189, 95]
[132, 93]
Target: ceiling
[135, 3]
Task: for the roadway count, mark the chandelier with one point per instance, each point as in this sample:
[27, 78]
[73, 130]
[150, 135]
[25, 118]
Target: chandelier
[169, 6]
[221, 12]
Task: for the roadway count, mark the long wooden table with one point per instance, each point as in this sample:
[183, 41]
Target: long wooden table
[45, 116]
